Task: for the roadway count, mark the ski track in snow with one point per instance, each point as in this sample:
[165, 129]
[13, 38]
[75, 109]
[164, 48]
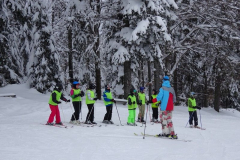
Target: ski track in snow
[24, 138]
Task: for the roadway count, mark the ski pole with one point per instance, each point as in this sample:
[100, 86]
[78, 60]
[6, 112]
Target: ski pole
[145, 124]
[189, 119]
[118, 115]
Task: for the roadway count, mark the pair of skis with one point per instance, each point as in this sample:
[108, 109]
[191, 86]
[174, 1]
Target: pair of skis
[59, 126]
[156, 136]
[198, 128]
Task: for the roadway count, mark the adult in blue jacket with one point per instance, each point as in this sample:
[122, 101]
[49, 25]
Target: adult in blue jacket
[167, 98]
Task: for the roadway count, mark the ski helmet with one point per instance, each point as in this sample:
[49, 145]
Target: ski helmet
[92, 86]
[166, 78]
[155, 91]
[59, 87]
[75, 83]
[132, 90]
[141, 89]
[192, 94]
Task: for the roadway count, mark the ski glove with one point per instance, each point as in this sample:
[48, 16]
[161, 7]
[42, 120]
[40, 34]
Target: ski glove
[113, 100]
[150, 101]
[198, 107]
[134, 102]
[68, 100]
[94, 99]
[77, 95]
[82, 93]
[59, 102]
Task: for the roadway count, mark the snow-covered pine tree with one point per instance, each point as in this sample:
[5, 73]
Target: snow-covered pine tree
[45, 67]
[13, 16]
[4, 48]
[204, 35]
[143, 33]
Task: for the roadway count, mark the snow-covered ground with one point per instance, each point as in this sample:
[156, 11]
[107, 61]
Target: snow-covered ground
[22, 137]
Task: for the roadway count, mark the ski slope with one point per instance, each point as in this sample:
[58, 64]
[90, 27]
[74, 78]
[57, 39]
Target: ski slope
[24, 138]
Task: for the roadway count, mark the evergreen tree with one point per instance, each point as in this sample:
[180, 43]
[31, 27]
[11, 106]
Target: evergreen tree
[45, 68]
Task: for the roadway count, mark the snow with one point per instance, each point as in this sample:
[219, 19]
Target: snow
[7, 94]
[35, 16]
[133, 5]
[173, 4]
[23, 136]
[121, 55]
[141, 28]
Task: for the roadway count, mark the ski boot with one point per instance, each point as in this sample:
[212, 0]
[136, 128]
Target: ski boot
[50, 124]
[197, 127]
[88, 122]
[110, 122]
[105, 121]
[173, 136]
[130, 124]
[93, 122]
[60, 123]
[163, 135]
[73, 122]
[139, 120]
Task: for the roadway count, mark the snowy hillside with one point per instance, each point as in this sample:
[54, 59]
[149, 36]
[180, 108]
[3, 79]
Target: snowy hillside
[24, 138]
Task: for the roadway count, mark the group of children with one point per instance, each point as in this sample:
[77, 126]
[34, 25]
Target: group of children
[76, 95]
[164, 99]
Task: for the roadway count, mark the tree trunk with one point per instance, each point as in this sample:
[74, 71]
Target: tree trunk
[175, 81]
[217, 86]
[127, 78]
[97, 52]
[142, 74]
[149, 79]
[98, 81]
[157, 73]
[70, 64]
[205, 101]
[217, 93]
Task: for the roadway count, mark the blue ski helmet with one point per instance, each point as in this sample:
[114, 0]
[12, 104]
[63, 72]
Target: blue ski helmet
[166, 78]
[192, 94]
[141, 89]
[75, 82]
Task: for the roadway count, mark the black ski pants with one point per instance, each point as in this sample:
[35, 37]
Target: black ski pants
[77, 109]
[193, 116]
[108, 115]
[90, 115]
[155, 113]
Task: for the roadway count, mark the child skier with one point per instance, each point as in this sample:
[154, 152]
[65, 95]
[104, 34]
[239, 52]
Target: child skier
[167, 98]
[141, 104]
[132, 105]
[192, 107]
[108, 101]
[76, 95]
[90, 100]
[53, 104]
[154, 106]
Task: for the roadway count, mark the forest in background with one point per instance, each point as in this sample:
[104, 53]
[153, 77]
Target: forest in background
[124, 43]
